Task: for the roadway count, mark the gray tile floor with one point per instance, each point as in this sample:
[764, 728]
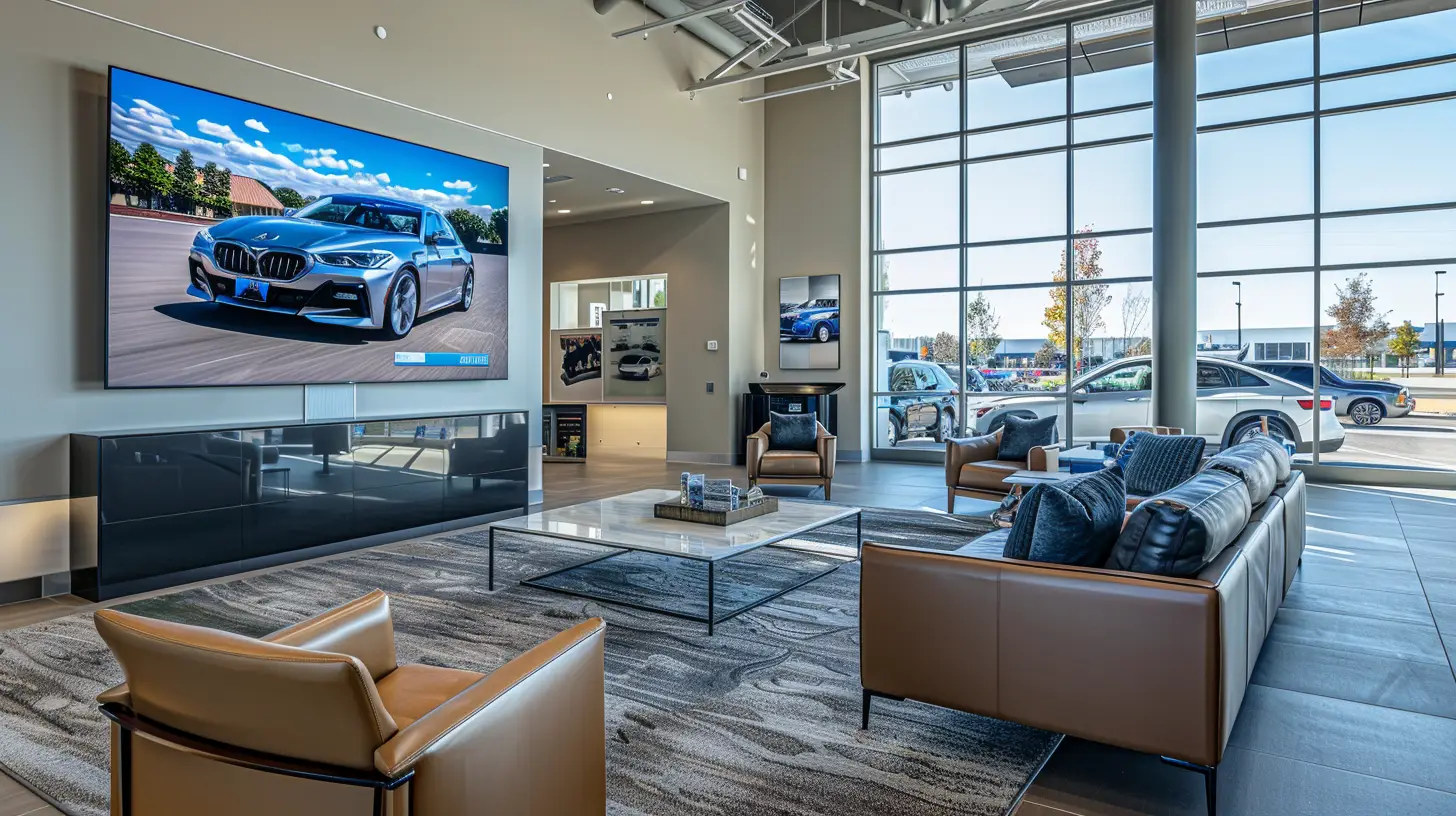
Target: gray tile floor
[1353, 704]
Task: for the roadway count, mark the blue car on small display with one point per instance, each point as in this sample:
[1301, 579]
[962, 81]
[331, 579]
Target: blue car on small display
[811, 320]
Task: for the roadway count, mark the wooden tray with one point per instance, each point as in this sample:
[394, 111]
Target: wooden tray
[721, 518]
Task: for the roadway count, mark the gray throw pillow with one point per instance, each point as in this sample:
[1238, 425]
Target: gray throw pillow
[1020, 435]
[1162, 463]
[1075, 521]
[792, 432]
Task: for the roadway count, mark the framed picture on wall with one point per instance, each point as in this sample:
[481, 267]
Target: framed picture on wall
[809, 322]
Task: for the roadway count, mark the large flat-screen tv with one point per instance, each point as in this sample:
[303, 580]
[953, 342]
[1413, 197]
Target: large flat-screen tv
[252, 246]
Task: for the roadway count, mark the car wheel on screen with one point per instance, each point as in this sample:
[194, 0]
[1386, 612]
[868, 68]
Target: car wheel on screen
[822, 333]
[1367, 412]
[402, 306]
[467, 292]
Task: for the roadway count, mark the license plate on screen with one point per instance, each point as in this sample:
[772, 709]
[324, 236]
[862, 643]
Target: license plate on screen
[250, 290]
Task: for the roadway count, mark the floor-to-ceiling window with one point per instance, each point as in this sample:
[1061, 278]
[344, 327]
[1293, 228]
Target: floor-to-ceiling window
[1325, 211]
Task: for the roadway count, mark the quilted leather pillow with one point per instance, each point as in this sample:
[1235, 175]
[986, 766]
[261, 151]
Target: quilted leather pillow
[1020, 435]
[1283, 463]
[1161, 463]
[1178, 532]
[1252, 463]
[1075, 521]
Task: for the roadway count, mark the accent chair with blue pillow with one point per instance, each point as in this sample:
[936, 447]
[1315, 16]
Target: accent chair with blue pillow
[977, 467]
[792, 448]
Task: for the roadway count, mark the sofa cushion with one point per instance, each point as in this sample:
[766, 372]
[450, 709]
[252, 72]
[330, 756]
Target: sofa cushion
[1252, 463]
[789, 463]
[1021, 435]
[792, 432]
[1160, 463]
[1074, 521]
[1179, 531]
[1283, 462]
[988, 475]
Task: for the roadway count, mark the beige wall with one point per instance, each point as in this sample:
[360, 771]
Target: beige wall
[615, 431]
[692, 247]
[815, 217]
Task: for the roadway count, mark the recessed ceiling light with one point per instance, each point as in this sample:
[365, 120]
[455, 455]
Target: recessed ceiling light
[552, 201]
[616, 190]
[649, 201]
[563, 212]
[380, 32]
[545, 164]
[609, 97]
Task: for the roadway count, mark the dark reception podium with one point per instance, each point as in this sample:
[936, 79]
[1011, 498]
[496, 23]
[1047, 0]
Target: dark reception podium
[157, 508]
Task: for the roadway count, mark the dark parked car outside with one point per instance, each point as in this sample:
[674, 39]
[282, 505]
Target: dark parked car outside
[1365, 402]
[923, 401]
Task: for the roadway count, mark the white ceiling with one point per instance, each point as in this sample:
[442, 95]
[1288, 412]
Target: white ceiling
[586, 196]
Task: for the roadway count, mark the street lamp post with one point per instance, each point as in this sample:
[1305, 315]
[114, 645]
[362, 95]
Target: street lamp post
[1440, 345]
[1239, 304]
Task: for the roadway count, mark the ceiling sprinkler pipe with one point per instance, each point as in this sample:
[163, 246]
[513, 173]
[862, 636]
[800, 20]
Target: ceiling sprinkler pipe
[604, 6]
[919, 9]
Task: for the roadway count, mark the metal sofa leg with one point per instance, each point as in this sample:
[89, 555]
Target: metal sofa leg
[865, 710]
[1210, 780]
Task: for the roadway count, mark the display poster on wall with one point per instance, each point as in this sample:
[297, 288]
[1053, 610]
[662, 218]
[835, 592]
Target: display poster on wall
[809, 322]
[576, 366]
[596, 314]
[636, 367]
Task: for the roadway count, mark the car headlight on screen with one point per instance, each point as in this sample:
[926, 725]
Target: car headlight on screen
[373, 259]
[204, 234]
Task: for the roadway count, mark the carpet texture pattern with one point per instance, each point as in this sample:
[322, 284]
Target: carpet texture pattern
[762, 718]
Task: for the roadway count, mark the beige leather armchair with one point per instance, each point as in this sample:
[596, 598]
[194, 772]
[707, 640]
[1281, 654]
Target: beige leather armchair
[780, 466]
[319, 719]
[972, 469]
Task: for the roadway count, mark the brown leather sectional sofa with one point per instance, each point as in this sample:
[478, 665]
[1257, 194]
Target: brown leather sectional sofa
[1150, 663]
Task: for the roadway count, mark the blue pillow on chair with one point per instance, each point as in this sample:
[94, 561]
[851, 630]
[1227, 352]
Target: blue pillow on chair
[1074, 521]
[1160, 463]
[1019, 436]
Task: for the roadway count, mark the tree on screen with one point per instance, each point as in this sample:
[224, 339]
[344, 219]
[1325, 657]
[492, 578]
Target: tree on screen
[470, 227]
[499, 230]
[1405, 344]
[118, 158]
[185, 189]
[217, 190]
[290, 198]
[147, 175]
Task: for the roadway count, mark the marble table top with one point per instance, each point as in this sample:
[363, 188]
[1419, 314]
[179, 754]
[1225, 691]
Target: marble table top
[626, 521]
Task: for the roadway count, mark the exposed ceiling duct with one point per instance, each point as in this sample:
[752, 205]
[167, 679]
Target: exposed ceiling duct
[704, 27]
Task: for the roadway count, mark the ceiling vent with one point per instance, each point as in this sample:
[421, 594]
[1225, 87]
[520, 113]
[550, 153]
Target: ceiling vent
[556, 179]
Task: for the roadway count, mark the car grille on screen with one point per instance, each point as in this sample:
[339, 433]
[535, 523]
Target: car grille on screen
[281, 265]
[234, 258]
[272, 265]
[787, 323]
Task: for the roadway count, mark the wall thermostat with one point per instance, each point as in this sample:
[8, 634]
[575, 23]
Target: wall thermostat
[712, 345]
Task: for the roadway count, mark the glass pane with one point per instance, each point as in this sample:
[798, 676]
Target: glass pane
[1366, 345]
[1017, 198]
[1014, 263]
[1378, 239]
[1256, 246]
[913, 96]
[1124, 256]
[1016, 79]
[1015, 352]
[1382, 87]
[1114, 126]
[911, 155]
[1256, 172]
[1240, 108]
[1386, 42]
[1112, 320]
[1244, 61]
[1114, 187]
[918, 270]
[1391, 157]
[1016, 139]
[917, 363]
[1114, 64]
[919, 208]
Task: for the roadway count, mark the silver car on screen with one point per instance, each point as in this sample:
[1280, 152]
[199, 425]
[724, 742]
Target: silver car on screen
[365, 262]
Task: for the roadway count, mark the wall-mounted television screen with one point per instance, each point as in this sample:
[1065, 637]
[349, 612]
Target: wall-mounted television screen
[252, 246]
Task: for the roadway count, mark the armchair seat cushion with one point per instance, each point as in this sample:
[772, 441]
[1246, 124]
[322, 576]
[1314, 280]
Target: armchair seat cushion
[412, 691]
[789, 463]
[988, 475]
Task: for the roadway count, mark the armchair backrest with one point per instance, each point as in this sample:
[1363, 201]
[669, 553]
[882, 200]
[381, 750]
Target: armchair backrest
[1119, 435]
[268, 697]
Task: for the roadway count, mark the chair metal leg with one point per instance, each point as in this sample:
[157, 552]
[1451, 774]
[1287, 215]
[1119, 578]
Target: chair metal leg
[1210, 780]
[865, 710]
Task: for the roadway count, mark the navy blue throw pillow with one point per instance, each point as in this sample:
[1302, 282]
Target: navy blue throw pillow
[1161, 463]
[792, 432]
[1075, 521]
[1020, 435]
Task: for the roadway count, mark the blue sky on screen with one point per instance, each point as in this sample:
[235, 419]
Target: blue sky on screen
[1394, 157]
[289, 150]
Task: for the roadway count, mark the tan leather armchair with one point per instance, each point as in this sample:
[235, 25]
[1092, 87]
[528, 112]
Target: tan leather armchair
[787, 466]
[319, 719]
[972, 469]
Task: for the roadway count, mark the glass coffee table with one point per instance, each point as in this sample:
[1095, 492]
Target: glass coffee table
[626, 524]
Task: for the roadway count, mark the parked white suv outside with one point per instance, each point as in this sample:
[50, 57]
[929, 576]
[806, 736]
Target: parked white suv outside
[1232, 398]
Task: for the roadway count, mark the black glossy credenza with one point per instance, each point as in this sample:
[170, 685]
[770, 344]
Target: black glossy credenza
[152, 509]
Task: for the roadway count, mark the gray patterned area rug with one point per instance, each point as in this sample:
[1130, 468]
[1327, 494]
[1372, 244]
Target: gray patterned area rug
[761, 718]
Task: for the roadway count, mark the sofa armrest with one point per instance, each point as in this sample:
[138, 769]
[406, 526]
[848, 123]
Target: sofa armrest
[1039, 458]
[531, 736]
[757, 447]
[827, 445]
[1129, 660]
[959, 452]
[361, 628]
